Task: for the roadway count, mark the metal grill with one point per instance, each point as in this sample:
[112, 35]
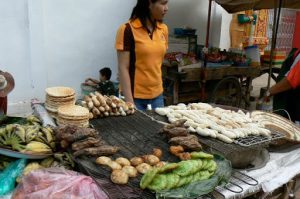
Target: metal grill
[136, 135]
[255, 140]
[244, 142]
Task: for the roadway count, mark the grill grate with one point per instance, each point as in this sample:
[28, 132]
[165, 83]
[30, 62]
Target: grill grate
[255, 140]
[136, 135]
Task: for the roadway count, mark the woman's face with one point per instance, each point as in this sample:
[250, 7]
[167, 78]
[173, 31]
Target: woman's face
[158, 9]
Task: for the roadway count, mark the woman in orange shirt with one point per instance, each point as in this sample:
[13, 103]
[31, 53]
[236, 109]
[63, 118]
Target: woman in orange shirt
[141, 44]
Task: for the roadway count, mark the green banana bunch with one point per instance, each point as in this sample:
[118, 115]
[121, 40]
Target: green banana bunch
[13, 141]
[9, 129]
[21, 132]
[31, 133]
[47, 162]
[48, 132]
[37, 147]
[33, 120]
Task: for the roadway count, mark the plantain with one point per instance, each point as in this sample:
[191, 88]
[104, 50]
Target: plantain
[20, 131]
[48, 134]
[37, 147]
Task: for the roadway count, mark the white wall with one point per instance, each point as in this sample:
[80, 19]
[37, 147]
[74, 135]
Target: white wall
[58, 42]
[61, 42]
[14, 45]
[193, 13]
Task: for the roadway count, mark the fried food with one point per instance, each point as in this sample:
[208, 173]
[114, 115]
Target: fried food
[184, 156]
[157, 152]
[136, 161]
[143, 168]
[103, 160]
[175, 132]
[130, 171]
[123, 161]
[86, 143]
[176, 150]
[151, 159]
[119, 177]
[97, 151]
[189, 142]
[114, 165]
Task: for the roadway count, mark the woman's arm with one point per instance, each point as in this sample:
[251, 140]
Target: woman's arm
[123, 65]
[281, 86]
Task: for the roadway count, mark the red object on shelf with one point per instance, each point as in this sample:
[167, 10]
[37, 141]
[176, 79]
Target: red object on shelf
[296, 42]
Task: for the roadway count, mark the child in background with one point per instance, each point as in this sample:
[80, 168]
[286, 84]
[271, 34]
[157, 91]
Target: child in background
[104, 86]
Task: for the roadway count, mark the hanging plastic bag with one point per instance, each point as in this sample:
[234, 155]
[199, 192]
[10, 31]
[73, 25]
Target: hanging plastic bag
[9, 175]
[57, 183]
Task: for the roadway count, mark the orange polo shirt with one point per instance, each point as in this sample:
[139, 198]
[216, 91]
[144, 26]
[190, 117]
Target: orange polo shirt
[294, 76]
[146, 57]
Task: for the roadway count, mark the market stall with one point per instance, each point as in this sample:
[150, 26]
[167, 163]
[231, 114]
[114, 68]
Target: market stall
[193, 82]
[182, 151]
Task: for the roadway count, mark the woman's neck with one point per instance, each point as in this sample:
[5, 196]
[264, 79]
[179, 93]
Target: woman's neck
[150, 24]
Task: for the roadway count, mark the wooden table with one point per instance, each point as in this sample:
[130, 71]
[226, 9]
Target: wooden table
[185, 86]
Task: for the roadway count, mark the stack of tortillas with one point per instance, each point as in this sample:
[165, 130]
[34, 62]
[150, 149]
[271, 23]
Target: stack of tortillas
[58, 96]
[74, 115]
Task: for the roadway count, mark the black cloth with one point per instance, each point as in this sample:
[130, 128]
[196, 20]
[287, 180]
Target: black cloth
[106, 87]
[288, 100]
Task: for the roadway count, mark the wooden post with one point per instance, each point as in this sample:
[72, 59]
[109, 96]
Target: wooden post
[203, 73]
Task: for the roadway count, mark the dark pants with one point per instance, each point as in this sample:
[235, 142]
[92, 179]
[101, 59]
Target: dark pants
[289, 101]
[3, 105]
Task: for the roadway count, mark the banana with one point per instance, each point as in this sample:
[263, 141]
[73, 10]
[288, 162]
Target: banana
[48, 134]
[59, 156]
[47, 162]
[37, 147]
[2, 131]
[20, 131]
[32, 119]
[9, 129]
[14, 142]
[40, 138]
[31, 133]
[53, 145]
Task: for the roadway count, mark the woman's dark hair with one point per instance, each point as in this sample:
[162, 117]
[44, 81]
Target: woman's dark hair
[141, 11]
[106, 72]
